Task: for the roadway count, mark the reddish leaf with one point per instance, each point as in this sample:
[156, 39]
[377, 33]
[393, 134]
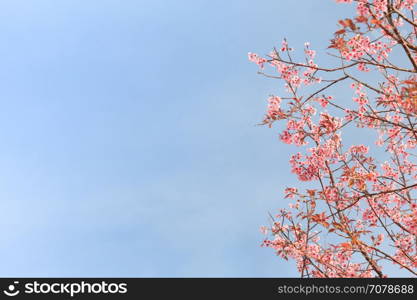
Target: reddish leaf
[346, 246]
[341, 31]
[347, 23]
[351, 24]
[361, 19]
[311, 192]
[410, 82]
[375, 22]
[343, 23]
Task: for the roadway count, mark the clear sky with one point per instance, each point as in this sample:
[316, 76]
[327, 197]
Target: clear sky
[128, 137]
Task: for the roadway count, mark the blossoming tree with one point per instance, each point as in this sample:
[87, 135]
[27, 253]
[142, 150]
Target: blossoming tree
[362, 213]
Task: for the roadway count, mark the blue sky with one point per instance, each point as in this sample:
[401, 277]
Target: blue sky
[128, 137]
